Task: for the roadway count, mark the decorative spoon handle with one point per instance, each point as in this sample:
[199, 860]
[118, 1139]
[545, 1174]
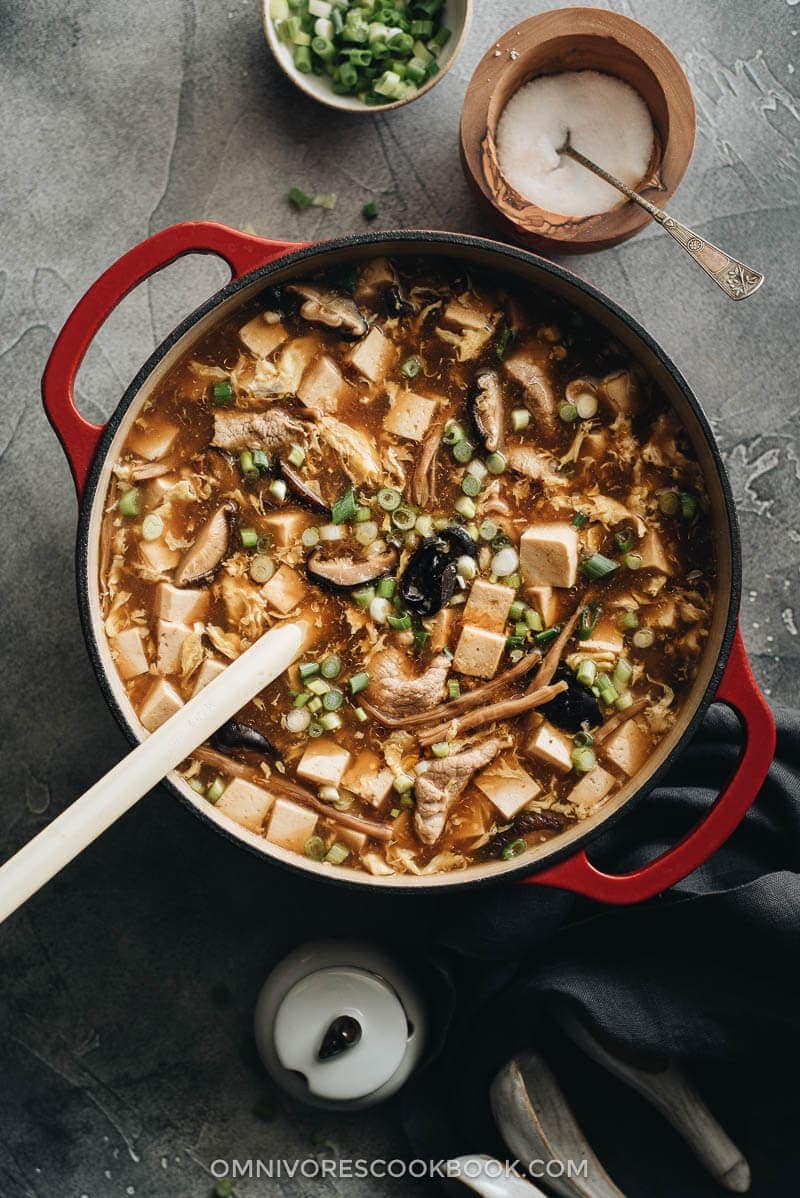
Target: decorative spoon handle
[735, 278]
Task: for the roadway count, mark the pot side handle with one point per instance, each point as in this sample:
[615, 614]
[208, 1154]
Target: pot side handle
[739, 689]
[242, 252]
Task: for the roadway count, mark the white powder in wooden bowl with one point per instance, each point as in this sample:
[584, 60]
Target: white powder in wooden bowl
[606, 120]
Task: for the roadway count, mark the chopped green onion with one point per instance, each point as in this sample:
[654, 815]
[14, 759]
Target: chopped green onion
[399, 623]
[367, 532]
[301, 699]
[333, 700]
[247, 465]
[688, 505]
[359, 682]
[411, 368]
[222, 392]
[318, 686]
[586, 673]
[583, 740]
[330, 667]
[403, 783]
[404, 518]
[515, 849]
[606, 689]
[453, 433]
[462, 451]
[299, 198]
[624, 540]
[496, 463]
[386, 588]
[152, 527]
[331, 721]
[315, 729]
[310, 537]
[633, 561]
[627, 621]
[520, 419]
[315, 705]
[534, 620]
[579, 520]
[302, 60]
[441, 749]
[296, 456]
[621, 677]
[337, 854]
[370, 210]
[261, 460]
[583, 759]
[129, 502]
[215, 790]
[465, 507]
[588, 621]
[504, 339]
[548, 636]
[262, 567]
[568, 413]
[597, 566]
[298, 719]
[314, 848]
[471, 485]
[248, 537]
[424, 525]
[644, 638]
[277, 489]
[362, 515]
[344, 508]
[361, 715]
[516, 611]
[466, 567]
[453, 688]
[363, 597]
[389, 499]
[669, 503]
[624, 701]
[308, 669]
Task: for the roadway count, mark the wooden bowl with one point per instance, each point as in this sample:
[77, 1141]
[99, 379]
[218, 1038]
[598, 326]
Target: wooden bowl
[576, 39]
[457, 18]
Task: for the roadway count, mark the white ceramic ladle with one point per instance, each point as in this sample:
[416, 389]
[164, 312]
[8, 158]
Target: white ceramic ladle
[72, 831]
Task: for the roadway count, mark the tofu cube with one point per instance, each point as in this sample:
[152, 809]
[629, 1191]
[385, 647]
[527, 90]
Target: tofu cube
[169, 643]
[245, 802]
[653, 554]
[592, 788]
[368, 778]
[127, 649]
[286, 526]
[410, 416]
[465, 318]
[181, 605]
[284, 590]
[324, 762]
[157, 489]
[664, 614]
[290, 825]
[551, 747]
[478, 651]
[323, 386]
[210, 669]
[261, 336]
[373, 356]
[158, 556]
[508, 787]
[548, 555]
[356, 842]
[606, 638]
[154, 441]
[628, 748]
[160, 702]
[488, 605]
[543, 600]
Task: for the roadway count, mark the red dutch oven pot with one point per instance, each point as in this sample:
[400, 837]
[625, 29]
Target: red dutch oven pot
[724, 674]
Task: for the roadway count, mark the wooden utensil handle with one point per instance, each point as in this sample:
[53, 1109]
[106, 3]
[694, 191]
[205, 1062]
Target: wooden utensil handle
[241, 251]
[90, 815]
[740, 690]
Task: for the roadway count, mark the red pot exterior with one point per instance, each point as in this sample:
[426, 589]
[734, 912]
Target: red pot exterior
[245, 253]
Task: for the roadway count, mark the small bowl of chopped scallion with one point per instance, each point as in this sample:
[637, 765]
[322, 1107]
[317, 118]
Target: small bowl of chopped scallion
[366, 55]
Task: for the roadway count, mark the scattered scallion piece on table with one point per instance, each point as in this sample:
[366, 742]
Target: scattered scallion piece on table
[299, 198]
[370, 210]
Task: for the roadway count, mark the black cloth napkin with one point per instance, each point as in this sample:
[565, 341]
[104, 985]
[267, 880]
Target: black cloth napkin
[708, 974]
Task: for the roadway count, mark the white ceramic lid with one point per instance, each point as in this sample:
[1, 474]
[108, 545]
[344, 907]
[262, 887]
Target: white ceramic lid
[306, 1013]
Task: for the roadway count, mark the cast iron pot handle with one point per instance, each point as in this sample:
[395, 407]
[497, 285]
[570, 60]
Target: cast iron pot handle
[242, 252]
[740, 690]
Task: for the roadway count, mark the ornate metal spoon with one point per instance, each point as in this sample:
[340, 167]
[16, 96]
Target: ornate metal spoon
[737, 280]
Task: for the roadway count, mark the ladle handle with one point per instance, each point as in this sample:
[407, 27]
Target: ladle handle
[242, 251]
[90, 815]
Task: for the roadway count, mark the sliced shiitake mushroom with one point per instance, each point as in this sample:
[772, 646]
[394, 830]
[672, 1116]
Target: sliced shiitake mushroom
[429, 579]
[330, 308]
[209, 549]
[305, 492]
[488, 409]
[234, 735]
[341, 571]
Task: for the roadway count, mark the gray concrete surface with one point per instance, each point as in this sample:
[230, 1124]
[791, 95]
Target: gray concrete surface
[127, 987]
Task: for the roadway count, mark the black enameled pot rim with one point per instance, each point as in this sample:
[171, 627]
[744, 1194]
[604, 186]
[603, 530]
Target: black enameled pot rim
[429, 240]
